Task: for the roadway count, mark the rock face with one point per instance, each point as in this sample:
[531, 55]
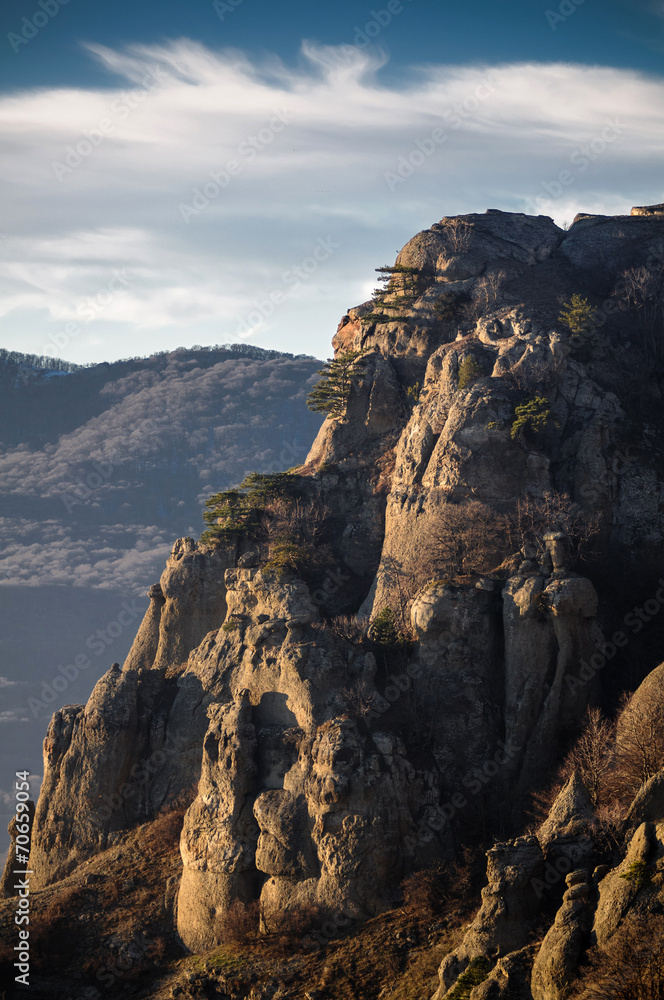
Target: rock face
[571, 814]
[554, 969]
[8, 885]
[136, 744]
[509, 905]
[480, 446]
[295, 795]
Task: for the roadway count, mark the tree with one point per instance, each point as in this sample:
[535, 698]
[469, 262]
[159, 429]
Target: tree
[577, 315]
[592, 757]
[532, 416]
[238, 511]
[331, 394]
[639, 748]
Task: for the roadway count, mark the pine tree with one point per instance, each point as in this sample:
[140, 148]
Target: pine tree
[338, 376]
[577, 315]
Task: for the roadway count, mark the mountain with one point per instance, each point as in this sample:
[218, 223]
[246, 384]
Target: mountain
[436, 638]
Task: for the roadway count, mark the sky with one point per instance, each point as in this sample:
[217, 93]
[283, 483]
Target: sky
[220, 171]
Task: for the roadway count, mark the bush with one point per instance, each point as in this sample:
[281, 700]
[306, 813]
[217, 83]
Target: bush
[639, 874]
[287, 557]
[384, 631]
[469, 372]
[477, 971]
[631, 966]
[238, 924]
[532, 416]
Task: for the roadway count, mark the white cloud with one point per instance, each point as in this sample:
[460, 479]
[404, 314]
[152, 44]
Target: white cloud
[182, 112]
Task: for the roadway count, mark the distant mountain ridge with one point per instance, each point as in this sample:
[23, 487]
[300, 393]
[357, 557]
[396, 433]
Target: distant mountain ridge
[100, 468]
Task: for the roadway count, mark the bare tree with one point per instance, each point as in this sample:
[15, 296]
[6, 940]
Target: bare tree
[592, 757]
[458, 233]
[534, 516]
[639, 747]
[486, 292]
[465, 538]
[629, 967]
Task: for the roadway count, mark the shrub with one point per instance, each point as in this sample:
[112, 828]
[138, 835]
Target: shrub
[424, 891]
[384, 631]
[447, 307]
[238, 924]
[532, 416]
[287, 557]
[413, 392]
[477, 971]
[631, 966]
[639, 874]
[469, 372]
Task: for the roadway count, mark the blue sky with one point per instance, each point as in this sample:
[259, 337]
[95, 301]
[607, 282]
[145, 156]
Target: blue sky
[180, 174]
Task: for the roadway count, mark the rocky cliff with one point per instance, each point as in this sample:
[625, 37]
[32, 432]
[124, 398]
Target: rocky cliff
[346, 704]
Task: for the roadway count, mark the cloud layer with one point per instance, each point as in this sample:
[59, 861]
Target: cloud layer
[187, 202]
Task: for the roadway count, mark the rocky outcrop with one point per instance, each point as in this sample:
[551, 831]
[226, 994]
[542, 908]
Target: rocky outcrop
[509, 979]
[509, 906]
[298, 802]
[8, 886]
[136, 745]
[554, 969]
[648, 210]
[648, 804]
[571, 815]
[630, 887]
[188, 602]
[329, 766]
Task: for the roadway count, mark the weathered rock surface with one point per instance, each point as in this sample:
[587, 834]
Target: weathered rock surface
[619, 895]
[571, 815]
[509, 905]
[554, 969]
[8, 886]
[136, 745]
[648, 805]
[295, 796]
[509, 979]
[328, 770]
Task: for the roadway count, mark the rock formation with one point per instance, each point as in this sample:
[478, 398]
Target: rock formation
[476, 455]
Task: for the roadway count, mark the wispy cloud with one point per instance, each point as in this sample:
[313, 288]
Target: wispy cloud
[132, 157]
